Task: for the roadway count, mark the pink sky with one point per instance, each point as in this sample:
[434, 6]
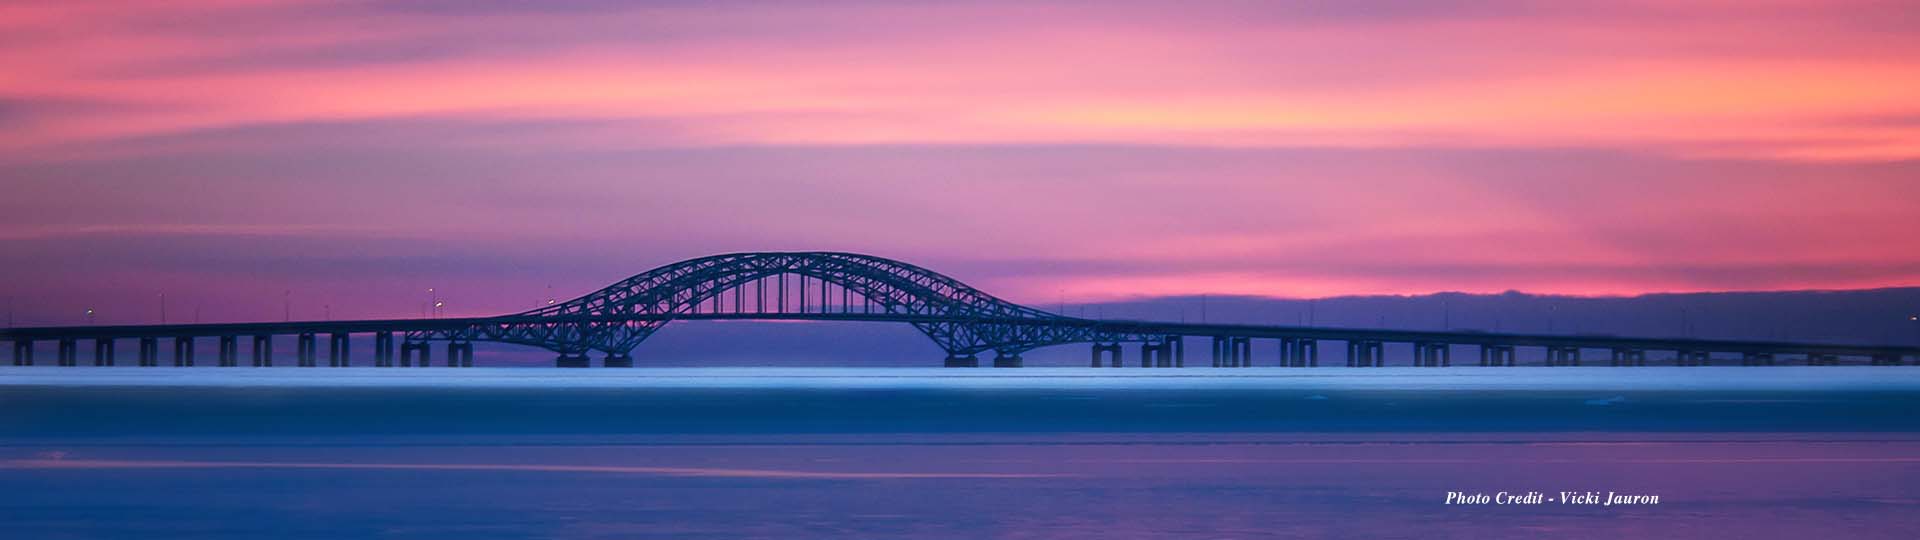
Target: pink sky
[226, 152]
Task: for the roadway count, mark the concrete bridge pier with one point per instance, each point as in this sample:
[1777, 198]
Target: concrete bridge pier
[23, 353]
[103, 352]
[1563, 356]
[1433, 354]
[1286, 352]
[337, 349]
[1101, 350]
[262, 351]
[1756, 359]
[409, 348]
[1155, 355]
[229, 351]
[306, 350]
[149, 352]
[1232, 351]
[1006, 360]
[69, 353]
[572, 360]
[955, 360]
[1496, 355]
[1179, 351]
[1299, 352]
[182, 352]
[383, 349]
[1627, 357]
[612, 360]
[1365, 354]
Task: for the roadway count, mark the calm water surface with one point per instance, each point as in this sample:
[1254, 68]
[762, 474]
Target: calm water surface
[893, 453]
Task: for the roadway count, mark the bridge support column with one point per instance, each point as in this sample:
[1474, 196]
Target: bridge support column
[409, 348]
[1102, 349]
[23, 353]
[1242, 353]
[1426, 354]
[1148, 352]
[955, 360]
[1365, 354]
[1219, 351]
[69, 353]
[572, 360]
[1157, 354]
[306, 350]
[102, 352]
[1628, 357]
[182, 352]
[1497, 355]
[1299, 352]
[1818, 359]
[229, 351]
[612, 360]
[383, 349]
[1691, 358]
[337, 350]
[460, 354]
[1179, 351]
[1004, 360]
[262, 351]
[1758, 359]
[149, 352]
[1563, 356]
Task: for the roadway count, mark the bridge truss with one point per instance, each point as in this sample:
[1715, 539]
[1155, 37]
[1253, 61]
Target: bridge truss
[960, 319]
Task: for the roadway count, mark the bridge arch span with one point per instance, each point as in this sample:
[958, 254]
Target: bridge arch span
[960, 319]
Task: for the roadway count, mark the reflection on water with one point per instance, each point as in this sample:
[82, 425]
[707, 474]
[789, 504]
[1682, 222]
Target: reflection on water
[826, 460]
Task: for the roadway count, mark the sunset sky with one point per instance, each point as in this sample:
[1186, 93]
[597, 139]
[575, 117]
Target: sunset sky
[342, 157]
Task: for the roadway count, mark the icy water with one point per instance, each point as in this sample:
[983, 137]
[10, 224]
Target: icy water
[934, 453]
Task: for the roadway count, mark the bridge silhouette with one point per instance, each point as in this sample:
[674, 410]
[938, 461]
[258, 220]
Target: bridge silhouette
[832, 286]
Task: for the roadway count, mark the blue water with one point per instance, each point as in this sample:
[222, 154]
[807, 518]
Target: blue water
[937, 453]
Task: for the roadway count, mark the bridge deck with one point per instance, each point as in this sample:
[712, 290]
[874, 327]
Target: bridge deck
[1458, 337]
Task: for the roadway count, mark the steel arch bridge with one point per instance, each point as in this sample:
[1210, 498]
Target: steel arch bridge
[816, 285]
[831, 286]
